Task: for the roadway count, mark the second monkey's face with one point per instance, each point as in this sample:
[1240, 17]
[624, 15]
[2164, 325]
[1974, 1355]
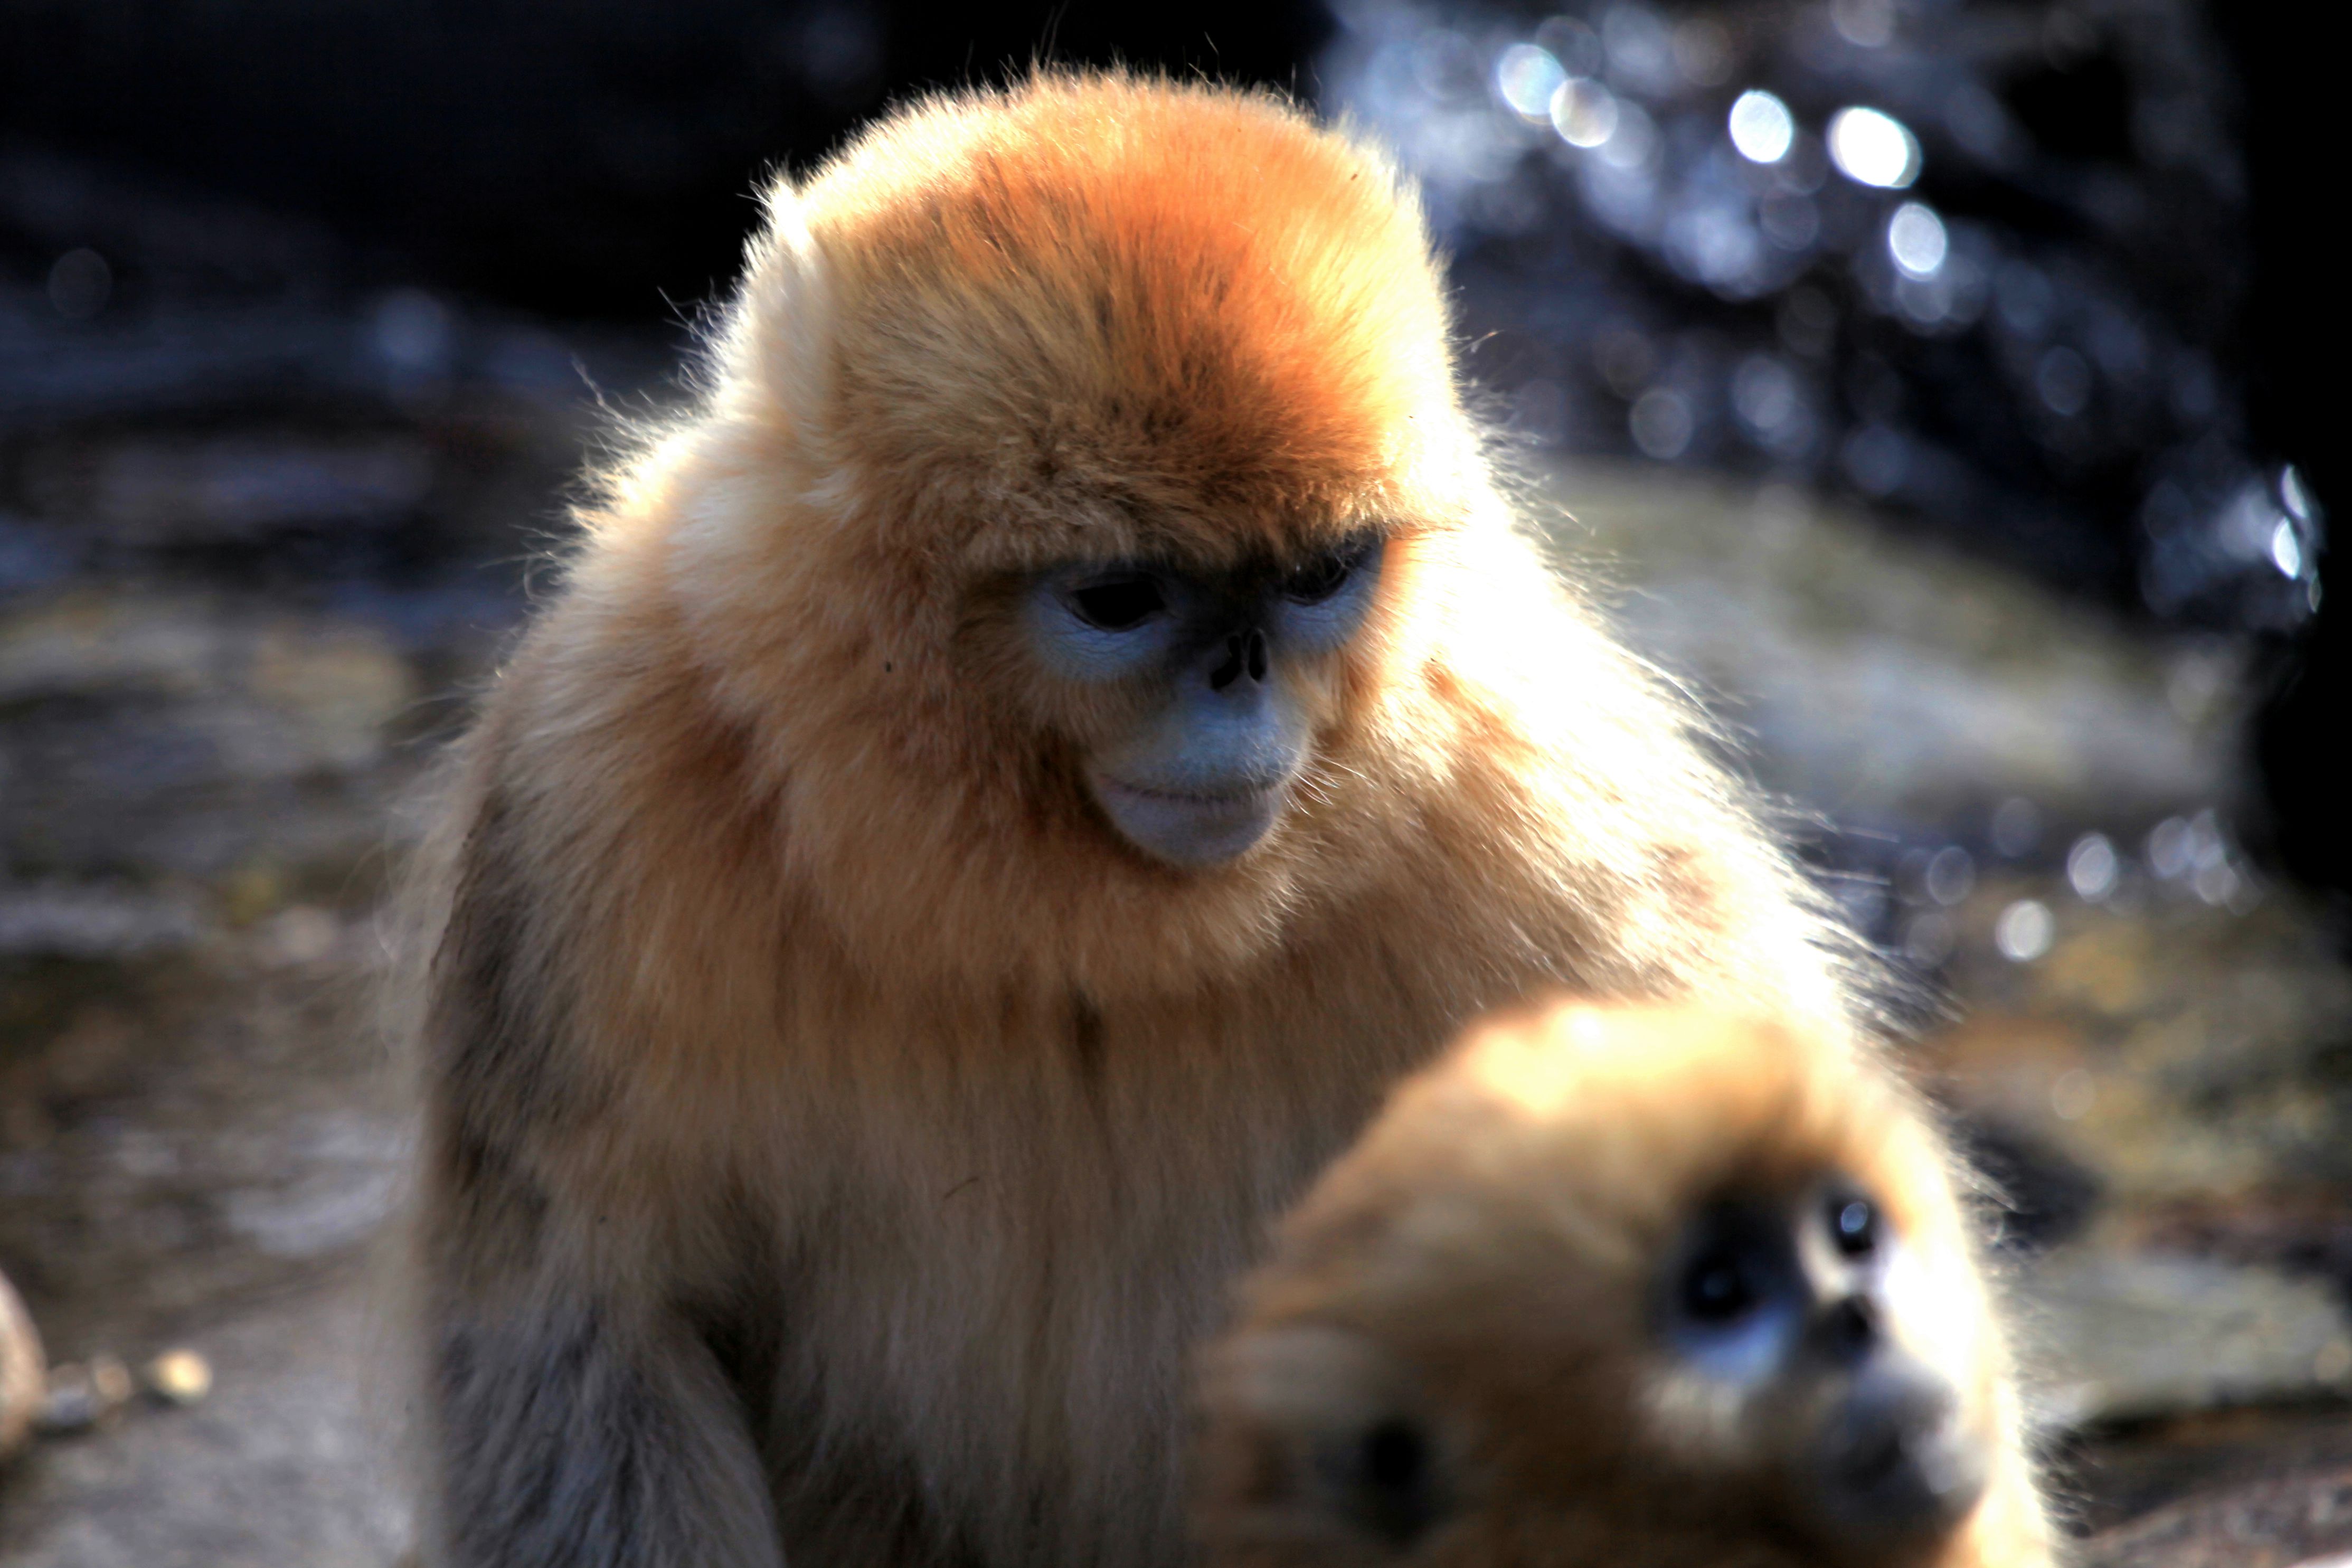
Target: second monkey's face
[1207, 683]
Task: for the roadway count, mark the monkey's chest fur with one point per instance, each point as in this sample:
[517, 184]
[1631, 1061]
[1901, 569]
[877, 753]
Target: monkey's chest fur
[997, 1258]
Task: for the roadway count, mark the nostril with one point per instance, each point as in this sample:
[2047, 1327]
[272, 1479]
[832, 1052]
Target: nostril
[1228, 672]
[1849, 1328]
[1257, 655]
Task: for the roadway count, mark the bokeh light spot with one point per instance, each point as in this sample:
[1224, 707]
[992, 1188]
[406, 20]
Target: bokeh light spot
[2296, 493]
[1761, 127]
[2016, 826]
[2092, 867]
[2073, 1094]
[1661, 424]
[413, 332]
[1764, 394]
[1571, 42]
[1584, 112]
[81, 283]
[1874, 149]
[2168, 847]
[1868, 23]
[1929, 939]
[2063, 377]
[1641, 49]
[1916, 238]
[1951, 875]
[1527, 76]
[2287, 550]
[1877, 459]
[1633, 144]
[2024, 930]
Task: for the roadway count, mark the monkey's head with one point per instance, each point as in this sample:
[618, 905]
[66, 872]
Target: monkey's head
[1072, 462]
[1643, 1288]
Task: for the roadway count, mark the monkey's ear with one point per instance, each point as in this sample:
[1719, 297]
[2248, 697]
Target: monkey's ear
[1318, 1431]
[769, 374]
[1386, 1477]
[775, 338]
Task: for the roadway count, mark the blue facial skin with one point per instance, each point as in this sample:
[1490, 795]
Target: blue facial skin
[1201, 778]
[1739, 1297]
[1759, 1296]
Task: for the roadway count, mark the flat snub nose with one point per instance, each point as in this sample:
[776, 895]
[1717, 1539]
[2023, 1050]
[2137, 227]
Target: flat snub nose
[1246, 654]
[1848, 1329]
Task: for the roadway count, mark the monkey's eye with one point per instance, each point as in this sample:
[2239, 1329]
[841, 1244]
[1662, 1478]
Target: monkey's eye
[1854, 1222]
[1117, 604]
[1330, 572]
[1321, 578]
[1717, 1286]
[1735, 1292]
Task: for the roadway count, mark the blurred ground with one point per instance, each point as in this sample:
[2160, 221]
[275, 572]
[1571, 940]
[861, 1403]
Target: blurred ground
[251, 551]
[230, 629]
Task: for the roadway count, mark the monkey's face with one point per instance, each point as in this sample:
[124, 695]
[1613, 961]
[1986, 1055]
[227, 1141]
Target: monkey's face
[1750, 1398]
[1781, 1323]
[1194, 697]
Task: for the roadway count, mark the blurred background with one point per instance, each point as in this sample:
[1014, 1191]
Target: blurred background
[1936, 385]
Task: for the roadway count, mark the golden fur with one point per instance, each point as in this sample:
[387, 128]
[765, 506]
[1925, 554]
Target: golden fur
[1491, 1246]
[799, 1034]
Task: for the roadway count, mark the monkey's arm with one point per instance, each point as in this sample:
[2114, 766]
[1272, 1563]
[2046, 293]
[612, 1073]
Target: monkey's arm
[568, 1439]
[577, 1417]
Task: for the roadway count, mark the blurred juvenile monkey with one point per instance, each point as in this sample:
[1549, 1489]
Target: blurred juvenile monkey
[1639, 1288]
[1013, 773]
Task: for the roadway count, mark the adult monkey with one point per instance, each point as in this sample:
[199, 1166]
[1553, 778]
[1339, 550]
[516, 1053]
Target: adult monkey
[1013, 773]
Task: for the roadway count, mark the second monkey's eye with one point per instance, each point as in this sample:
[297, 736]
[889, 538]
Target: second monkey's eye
[1718, 1286]
[1734, 1294]
[1117, 604]
[1854, 1223]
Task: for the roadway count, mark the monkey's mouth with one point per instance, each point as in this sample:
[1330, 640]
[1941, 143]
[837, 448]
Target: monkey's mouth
[1247, 796]
[1191, 828]
[1899, 1463]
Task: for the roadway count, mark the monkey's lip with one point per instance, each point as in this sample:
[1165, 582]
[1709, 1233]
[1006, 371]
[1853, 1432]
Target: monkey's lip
[1191, 828]
[1251, 795]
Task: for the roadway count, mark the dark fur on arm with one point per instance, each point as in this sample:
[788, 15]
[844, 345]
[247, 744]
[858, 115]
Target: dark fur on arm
[567, 1441]
[575, 1424]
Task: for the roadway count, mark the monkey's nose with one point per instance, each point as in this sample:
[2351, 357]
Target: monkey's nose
[1847, 1329]
[1246, 654]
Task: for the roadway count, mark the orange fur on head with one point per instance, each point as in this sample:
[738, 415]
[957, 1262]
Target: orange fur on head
[1092, 318]
[1108, 317]
[1492, 1248]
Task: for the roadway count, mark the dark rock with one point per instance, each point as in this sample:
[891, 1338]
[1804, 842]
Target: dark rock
[2276, 1523]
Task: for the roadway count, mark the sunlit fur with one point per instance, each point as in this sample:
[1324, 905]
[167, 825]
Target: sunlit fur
[1488, 1254]
[789, 986]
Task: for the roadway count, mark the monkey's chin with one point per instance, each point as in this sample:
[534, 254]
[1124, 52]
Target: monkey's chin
[1194, 831]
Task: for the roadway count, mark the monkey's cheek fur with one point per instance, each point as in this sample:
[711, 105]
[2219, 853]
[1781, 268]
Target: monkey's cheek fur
[1193, 831]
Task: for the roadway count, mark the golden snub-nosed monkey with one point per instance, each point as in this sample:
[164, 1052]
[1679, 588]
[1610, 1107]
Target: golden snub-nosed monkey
[1623, 1288]
[1013, 771]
